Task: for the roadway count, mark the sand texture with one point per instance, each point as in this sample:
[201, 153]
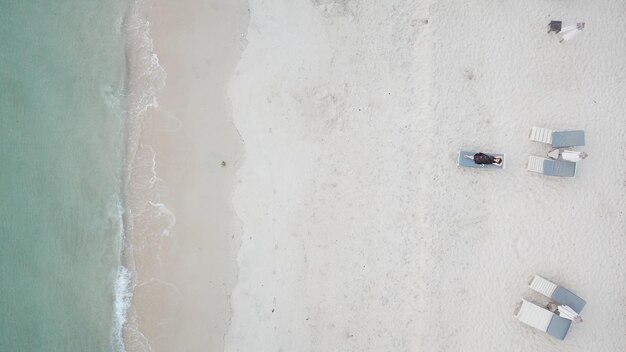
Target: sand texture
[331, 100]
[498, 73]
[359, 231]
[184, 229]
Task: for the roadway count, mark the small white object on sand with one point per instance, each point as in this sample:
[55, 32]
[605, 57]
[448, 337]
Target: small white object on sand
[554, 154]
[568, 313]
[569, 32]
[572, 155]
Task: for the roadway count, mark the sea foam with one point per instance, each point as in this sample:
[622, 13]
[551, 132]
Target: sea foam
[145, 78]
[123, 298]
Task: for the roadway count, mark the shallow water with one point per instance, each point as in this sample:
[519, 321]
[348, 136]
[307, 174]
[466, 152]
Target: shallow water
[62, 69]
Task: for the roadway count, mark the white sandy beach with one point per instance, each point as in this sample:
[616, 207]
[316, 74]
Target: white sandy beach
[353, 228]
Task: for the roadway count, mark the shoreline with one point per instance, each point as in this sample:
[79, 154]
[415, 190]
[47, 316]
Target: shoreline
[180, 194]
[349, 236]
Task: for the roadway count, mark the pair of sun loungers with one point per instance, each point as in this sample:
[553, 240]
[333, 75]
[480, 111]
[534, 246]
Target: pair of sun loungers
[549, 167]
[543, 319]
[558, 139]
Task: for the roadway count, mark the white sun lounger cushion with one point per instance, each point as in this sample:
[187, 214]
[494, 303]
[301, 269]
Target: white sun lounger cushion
[543, 286]
[535, 316]
[544, 320]
[535, 164]
[540, 134]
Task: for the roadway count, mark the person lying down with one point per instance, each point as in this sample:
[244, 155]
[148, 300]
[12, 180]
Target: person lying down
[484, 159]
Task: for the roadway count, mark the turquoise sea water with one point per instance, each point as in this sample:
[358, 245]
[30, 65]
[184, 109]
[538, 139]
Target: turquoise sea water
[62, 70]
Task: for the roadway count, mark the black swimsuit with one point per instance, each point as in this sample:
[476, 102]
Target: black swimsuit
[481, 158]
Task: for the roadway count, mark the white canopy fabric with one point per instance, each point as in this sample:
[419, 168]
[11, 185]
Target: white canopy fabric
[568, 313]
[572, 155]
[569, 32]
[554, 154]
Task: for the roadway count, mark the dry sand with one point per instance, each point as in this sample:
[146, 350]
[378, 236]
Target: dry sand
[332, 101]
[360, 233]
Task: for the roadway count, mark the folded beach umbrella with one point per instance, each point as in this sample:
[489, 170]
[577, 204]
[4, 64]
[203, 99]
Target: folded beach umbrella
[572, 155]
[569, 32]
[568, 313]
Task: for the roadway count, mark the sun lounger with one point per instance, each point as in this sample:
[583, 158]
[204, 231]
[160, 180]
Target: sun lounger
[559, 294]
[543, 319]
[558, 139]
[466, 162]
[565, 139]
[540, 134]
[549, 167]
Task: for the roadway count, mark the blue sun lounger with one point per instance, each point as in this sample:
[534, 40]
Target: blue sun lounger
[543, 319]
[466, 162]
[557, 293]
[549, 167]
[565, 139]
[558, 139]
